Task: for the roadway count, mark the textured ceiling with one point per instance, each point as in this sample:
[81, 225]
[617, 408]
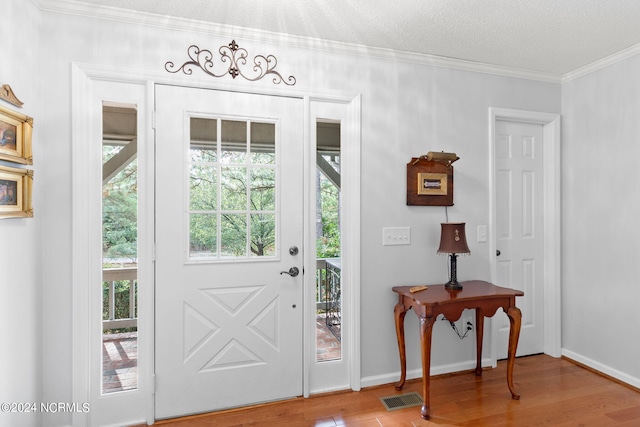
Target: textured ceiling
[548, 36]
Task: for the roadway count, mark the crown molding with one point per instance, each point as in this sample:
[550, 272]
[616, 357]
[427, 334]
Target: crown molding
[602, 63]
[74, 7]
[144, 18]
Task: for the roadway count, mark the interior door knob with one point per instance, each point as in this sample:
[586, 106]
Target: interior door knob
[497, 253]
[293, 272]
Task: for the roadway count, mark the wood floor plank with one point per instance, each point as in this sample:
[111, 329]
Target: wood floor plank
[554, 392]
[631, 413]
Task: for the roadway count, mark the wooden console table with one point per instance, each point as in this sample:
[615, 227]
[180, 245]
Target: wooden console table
[484, 297]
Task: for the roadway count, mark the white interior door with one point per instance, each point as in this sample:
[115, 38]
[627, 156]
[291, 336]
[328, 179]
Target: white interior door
[229, 207]
[520, 229]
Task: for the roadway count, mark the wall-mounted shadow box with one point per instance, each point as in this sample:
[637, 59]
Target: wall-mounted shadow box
[430, 180]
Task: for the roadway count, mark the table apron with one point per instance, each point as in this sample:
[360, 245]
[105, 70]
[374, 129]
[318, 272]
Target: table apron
[453, 310]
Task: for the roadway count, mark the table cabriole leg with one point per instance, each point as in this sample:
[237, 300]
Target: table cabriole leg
[399, 314]
[479, 338]
[426, 329]
[515, 319]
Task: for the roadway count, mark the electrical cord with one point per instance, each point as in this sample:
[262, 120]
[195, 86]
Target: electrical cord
[466, 332]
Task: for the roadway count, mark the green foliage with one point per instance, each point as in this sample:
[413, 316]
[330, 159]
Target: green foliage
[120, 211]
[119, 225]
[236, 195]
[328, 244]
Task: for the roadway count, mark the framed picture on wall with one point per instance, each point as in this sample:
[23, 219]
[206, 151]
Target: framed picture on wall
[429, 183]
[15, 137]
[15, 192]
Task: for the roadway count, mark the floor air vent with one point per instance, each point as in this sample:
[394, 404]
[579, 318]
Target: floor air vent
[401, 401]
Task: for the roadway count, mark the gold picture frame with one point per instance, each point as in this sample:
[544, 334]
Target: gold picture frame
[433, 184]
[15, 137]
[15, 192]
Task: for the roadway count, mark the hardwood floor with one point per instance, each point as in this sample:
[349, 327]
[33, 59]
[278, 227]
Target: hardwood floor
[554, 392]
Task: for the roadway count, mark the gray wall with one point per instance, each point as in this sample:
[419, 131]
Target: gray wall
[20, 238]
[407, 109]
[601, 204]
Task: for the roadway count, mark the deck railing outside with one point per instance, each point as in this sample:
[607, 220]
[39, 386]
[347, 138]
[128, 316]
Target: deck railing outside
[327, 293]
[118, 312]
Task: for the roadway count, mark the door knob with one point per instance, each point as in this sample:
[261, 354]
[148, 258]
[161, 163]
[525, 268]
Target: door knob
[497, 253]
[293, 272]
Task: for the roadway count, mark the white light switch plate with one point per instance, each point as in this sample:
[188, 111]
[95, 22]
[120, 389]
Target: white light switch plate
[482, 233]
[396, 236]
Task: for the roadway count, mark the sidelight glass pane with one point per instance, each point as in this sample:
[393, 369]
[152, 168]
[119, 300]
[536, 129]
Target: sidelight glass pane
[119, 250]
[328, 244]
[263, 234]
[203, 187]
[203, 232]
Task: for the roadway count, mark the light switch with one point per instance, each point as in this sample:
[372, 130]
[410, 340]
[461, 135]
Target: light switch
[396, 236]
[482, 233]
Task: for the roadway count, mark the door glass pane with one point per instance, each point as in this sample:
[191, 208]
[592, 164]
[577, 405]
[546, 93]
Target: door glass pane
[203, 242]
[232, 189]
[234, 141]
[119, 249]
[263, 186]
[263, 234]
[233, 182]
[203, 187]
[233, 242]
[263, 143]
[329, 267]
[204, 137]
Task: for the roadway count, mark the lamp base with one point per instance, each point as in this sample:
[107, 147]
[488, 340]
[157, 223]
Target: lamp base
[453, 285]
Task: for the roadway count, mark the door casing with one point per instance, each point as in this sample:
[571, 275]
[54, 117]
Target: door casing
[551, 210]
[84, 78]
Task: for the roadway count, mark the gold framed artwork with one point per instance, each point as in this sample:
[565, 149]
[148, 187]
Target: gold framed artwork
[15, 192]
[15, 137]
[429, 182]
[434, 184]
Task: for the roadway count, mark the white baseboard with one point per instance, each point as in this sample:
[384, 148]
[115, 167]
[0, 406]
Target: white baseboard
[607, 370]
[394, 377]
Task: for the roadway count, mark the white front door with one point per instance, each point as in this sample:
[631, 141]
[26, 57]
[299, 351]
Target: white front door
[520, 229]
[229, 213]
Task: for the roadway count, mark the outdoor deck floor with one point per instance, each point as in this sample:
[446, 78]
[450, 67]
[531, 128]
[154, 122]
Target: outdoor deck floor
[119, 362]
[120, 356]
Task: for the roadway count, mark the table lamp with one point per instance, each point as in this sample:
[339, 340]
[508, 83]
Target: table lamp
[453, 241]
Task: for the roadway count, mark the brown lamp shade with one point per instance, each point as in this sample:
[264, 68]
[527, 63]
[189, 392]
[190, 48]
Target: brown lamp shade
[453, 239]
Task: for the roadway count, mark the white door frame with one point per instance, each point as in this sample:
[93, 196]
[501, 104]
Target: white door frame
[85, 207]
[551, 210]
[329, 376]
[88, 94]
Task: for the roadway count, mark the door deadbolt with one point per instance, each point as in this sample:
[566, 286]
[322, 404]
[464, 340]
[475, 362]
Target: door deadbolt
[293, 272]
[293, 250]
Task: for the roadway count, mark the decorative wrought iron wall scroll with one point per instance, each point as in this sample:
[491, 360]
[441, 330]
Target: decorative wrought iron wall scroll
[236, 57]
